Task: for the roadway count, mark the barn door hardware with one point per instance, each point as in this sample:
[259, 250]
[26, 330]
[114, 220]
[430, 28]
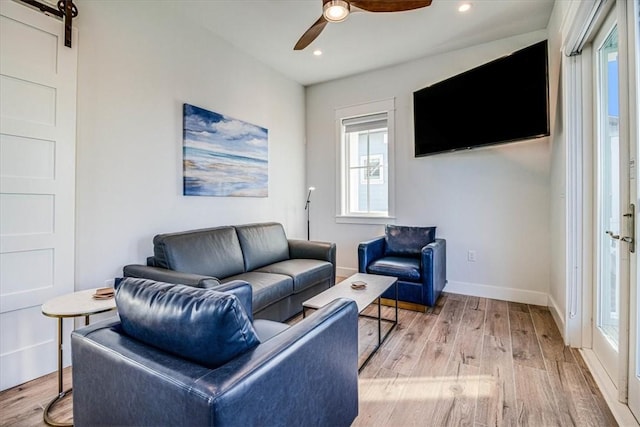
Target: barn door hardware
[66, 11]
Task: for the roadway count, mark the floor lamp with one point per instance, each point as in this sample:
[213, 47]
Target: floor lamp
[307, 207]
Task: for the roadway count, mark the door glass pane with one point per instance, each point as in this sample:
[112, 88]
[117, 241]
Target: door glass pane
[609, 190]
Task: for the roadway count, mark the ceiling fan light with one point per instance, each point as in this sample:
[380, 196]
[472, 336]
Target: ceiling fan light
[335, 10]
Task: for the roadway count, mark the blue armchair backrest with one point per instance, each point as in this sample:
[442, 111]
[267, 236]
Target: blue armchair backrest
[407, 241]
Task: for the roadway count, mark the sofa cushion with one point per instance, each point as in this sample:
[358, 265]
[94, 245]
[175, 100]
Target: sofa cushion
[407, 241]
[401, 267]
[267, 288]
[210, 252]
[201, 325]
[262, 244]
[304, 272]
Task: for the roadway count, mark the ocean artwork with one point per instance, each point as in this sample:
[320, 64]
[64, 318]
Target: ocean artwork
[223, 156]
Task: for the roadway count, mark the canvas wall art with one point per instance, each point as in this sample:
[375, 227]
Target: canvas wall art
[223, 156]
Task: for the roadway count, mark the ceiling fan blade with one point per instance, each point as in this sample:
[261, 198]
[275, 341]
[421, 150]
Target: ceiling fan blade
[389, 5]
[311, 34]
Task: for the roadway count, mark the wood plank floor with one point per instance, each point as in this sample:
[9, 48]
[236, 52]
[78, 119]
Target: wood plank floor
[479, 362]
[467, 362]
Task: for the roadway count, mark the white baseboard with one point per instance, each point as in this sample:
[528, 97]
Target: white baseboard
[558, 316]
[477, 290]
[620, 411]
[497, 292]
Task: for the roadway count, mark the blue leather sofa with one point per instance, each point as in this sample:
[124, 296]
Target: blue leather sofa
[412, 254]
[182, 356]
[282, 272]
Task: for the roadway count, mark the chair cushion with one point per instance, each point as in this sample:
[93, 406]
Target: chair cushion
[407, 241]
[267, 329]
[201, 325]
[401, 267]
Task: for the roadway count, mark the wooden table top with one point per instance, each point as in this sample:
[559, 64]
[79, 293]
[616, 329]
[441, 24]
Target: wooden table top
[376, 285]
[76, 304]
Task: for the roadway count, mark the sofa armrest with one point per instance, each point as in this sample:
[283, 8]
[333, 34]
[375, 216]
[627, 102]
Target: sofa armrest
[369, 251]
[434, 266]
[323, 251]
[242, 290]
[288, 380]
[169, 276]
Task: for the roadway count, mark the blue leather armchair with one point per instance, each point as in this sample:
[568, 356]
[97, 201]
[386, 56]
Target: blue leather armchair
[412, 254]
[305, 374]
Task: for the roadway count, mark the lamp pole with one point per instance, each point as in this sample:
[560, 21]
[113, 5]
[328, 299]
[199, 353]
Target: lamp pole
[307, 207]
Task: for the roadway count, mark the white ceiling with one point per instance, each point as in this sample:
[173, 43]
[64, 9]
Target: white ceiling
[268, 30]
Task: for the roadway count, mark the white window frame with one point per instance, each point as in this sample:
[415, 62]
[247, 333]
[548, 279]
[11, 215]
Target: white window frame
[383, 106]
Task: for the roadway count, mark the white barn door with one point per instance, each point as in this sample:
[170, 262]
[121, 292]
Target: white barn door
[37, 186]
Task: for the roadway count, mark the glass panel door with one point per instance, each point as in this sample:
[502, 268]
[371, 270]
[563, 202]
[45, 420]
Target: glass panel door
[606, 336]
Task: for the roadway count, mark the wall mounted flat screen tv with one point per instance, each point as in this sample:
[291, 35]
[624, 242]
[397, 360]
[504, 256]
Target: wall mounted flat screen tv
[501, 101]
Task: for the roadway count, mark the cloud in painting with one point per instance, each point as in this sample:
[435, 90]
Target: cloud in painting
[224, 133]
[237, 129]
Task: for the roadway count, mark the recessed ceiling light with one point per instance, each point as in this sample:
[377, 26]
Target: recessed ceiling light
[464, 7]
[317, 52]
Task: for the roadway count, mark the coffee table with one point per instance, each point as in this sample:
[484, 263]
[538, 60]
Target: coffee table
[376, 286]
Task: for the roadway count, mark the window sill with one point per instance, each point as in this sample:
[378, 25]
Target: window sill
[348, 219]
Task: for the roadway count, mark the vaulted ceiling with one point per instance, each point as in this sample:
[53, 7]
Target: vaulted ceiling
[268, 30]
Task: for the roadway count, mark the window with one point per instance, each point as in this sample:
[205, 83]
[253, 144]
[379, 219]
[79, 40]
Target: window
[366, 154]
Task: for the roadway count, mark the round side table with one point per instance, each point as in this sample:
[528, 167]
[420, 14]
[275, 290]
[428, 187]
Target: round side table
[75, 304]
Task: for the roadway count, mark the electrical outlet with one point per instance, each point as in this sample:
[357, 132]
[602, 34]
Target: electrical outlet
[471, 256]
[109, 283]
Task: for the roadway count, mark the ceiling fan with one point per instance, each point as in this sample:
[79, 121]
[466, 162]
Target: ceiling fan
[338, 10]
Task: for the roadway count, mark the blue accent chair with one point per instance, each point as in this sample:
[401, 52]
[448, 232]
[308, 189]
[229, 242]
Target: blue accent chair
[183, 356]
[412, 254]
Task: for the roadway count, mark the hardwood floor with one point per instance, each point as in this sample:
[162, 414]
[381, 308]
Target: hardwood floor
[469, 361]
[24, 405]
[479, 362]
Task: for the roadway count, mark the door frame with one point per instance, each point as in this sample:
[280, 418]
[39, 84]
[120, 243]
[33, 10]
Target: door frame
[633, 366]
[615, 362]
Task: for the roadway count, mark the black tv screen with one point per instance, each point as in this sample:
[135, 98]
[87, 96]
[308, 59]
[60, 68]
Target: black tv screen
[501, 101]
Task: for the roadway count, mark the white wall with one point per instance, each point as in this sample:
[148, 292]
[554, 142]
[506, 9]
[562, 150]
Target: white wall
[138, 63]
[492, 200]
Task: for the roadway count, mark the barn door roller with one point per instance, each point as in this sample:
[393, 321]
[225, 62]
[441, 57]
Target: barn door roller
[66, 11]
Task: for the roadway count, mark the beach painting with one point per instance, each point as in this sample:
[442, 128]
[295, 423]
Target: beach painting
[223, 156]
